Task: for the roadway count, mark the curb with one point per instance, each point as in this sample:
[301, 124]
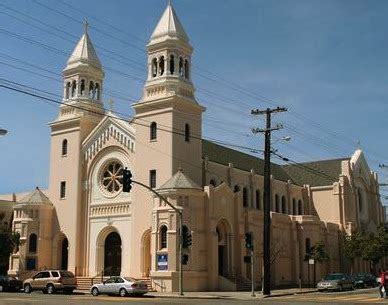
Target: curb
[214, 297]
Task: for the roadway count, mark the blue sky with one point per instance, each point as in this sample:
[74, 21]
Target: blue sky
[326, 61]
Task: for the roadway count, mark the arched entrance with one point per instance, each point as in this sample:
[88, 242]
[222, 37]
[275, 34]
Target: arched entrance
[146, 253]
[224, 251]
[112, 254]
[65, 254]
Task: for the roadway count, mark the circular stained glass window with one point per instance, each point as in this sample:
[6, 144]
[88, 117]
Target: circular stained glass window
[112, 177]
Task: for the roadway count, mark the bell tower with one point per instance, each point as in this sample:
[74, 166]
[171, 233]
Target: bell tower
[83, 80]
[168, 107]
[81, 111]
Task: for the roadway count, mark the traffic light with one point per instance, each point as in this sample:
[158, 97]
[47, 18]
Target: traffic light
[127, 180]
[185, 259]
[249, 240]
[187, 239]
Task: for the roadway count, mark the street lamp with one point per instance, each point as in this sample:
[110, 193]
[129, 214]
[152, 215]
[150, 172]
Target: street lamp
[3, 132]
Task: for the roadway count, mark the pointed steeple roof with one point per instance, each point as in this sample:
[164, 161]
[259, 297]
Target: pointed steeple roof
[169, 26]
[180, 181]
[84, 51]
[36, 197]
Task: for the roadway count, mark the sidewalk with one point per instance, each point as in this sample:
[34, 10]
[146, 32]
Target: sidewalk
[233, 295]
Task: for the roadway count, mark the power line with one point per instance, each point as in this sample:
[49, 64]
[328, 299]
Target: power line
[228, 83]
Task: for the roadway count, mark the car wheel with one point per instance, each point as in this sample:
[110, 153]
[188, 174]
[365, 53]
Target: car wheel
[27, 288]
[50, 289]
[123, 292]
[95, 292]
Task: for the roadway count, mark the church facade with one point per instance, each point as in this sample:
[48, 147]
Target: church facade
[85, 223]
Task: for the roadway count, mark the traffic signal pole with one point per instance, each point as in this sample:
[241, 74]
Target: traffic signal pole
[180, 221]
[266, 283]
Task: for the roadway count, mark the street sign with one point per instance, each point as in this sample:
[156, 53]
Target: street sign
[162, 262]
[311, 261]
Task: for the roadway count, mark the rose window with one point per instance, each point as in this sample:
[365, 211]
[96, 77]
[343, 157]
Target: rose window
[112, 177]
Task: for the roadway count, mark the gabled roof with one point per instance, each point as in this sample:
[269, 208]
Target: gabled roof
[35, 197]
[84, 52]
[180, 181]
[223, 155]
[316, 173]
[169, 26]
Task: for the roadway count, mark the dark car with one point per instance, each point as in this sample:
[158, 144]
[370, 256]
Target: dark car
[10, 283]
[364, 280]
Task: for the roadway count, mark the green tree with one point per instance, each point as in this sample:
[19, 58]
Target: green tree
[353, 247]
[319, 254]
[9, 242]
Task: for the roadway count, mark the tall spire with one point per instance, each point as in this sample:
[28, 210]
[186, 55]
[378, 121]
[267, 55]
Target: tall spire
[169, 26]
[84, 52]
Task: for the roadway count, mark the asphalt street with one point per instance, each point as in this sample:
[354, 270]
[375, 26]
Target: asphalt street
[369, 296]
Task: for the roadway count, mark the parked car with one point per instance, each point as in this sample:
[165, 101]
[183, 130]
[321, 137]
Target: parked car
[122, 286]
[364, 280]
[336, 281]
[10, 283]
[50, 281]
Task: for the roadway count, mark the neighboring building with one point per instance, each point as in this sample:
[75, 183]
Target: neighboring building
[85, 223]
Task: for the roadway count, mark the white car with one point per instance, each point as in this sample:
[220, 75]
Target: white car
[122, 286]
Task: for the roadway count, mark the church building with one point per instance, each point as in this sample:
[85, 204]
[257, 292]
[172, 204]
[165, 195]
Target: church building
[85, 223]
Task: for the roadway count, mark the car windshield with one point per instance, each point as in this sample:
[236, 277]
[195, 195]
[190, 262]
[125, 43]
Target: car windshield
[130, 279]
[333, 277]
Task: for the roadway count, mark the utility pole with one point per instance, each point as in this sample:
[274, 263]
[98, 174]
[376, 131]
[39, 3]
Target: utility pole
[267, 192]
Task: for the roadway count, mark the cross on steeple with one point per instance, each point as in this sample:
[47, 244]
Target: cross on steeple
[86, 25]
[110, 105]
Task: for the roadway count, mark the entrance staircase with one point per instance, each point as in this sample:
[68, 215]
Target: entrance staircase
[85, 283]
[241, 284]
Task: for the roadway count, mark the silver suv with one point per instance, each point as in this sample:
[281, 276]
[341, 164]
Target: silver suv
[50, 281]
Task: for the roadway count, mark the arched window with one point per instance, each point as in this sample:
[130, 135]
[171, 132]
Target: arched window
[294, 207]
[180, 66]
[163, 237]
[236, 188]
[33, 243]
[187, 132]
[360, 203]
[73, 88]
[97, 91]
[64, 147]
[213, 182]
[277, 204]
[300, 207]
[186, 69]
[258, 201]
[91, 90]
[153, 131]
[172, 64]
[245, 197]
[154, 67]
[284, 205]
[82, 87]
[161, 65]
[67, 91]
